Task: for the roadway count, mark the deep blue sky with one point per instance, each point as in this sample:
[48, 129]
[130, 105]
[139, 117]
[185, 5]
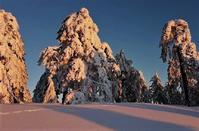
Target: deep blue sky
[132, 25]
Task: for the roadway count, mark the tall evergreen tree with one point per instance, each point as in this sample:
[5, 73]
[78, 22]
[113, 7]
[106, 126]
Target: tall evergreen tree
[182, 57]
[133, 87]
[82, 67]
[13, 72]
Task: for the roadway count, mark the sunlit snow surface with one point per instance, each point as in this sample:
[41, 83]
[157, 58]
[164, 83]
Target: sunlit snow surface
[95, 117]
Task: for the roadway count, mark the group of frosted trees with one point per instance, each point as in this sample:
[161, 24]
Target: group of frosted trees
[83, 69]
[183, 66]
[183, 70]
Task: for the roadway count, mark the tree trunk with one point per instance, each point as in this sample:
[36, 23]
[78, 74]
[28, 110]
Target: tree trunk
[65, 92]
[184, 77]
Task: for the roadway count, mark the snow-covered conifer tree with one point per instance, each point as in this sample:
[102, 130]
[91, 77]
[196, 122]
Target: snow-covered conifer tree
[82, 67]
[157, 90]
[183, 61]
[133, 87]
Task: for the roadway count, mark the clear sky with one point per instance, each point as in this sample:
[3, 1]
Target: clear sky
[132, 25]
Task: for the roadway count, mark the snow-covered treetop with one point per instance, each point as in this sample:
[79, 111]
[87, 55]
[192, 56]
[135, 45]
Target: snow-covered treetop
[156, 77]
[156, 81]
[9, 27]
[78, 37]
[79, 24]
[175, 32]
